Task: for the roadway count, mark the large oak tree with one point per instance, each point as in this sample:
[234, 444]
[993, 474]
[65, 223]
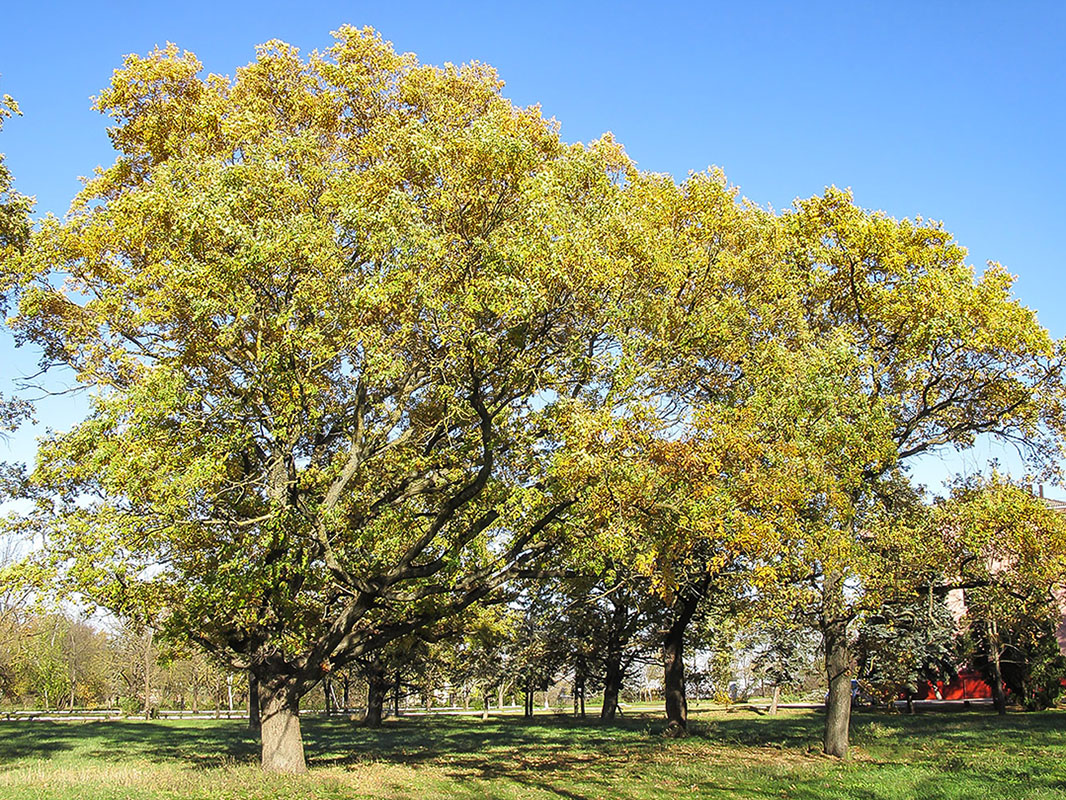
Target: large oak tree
[333, 312]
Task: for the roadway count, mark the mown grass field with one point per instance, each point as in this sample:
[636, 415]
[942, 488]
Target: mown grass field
[735, 753]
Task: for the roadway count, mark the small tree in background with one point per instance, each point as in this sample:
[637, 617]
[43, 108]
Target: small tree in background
[903, 645]
[784, 656]
[1008, 550]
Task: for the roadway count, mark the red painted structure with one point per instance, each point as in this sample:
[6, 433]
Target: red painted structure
[969, 685]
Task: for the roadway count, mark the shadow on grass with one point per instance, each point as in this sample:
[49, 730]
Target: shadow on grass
[413, 740]
[928, 755]
[197, 744]
[35, 740]
[565, 756]
[575, 758]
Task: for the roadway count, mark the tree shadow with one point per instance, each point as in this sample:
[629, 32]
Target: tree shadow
[196, 744]
[36, 740]
[414, 740]
[544, 754]
[580, 759]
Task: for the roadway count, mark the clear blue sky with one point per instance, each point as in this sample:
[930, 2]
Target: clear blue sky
[952, 110]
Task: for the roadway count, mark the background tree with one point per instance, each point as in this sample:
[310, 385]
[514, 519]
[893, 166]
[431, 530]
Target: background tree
[784, 655]
[903, 645]
[605, 620]
[43, 665]
[139, 669]
[1031, 660]
[683, 477]
[380, 671]
[616, 621]
[536, 659]
[477, 653]
[1008, 550]
[941, 357]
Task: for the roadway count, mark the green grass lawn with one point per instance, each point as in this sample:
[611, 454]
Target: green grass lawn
[736, 753]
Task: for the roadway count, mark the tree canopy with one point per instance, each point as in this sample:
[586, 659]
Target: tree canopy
[365, 341]
[332, 311]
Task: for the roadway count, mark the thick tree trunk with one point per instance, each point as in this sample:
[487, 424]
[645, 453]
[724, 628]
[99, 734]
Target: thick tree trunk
[283, 747]
[255, 719]
[612, 686]
[674, 681]
[673, 660]
[377, 686]
[327, 691]
[775, 700]
[837, 670]
[528, 711]
[838, 704]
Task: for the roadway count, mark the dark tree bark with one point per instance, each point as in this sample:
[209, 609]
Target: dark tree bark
[674, 681]
[673, 659]
[622, 626]
[377, 686]
[255, 720]
[528, 712]
[612, 686]
[838, 705]
[283, 749]
[837, 670]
